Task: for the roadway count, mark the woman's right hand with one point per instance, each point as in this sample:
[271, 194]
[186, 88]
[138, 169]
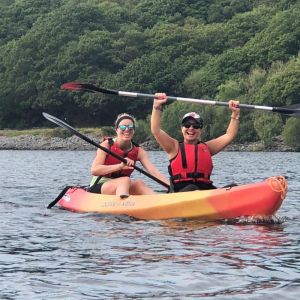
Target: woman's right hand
[160, 99]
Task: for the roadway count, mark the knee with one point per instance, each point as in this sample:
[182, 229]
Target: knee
[138, 183]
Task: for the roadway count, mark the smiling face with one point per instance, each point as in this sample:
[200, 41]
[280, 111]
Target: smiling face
[191, 131]
[125, 130]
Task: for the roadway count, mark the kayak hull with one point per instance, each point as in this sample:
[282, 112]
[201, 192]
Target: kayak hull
[260, 199]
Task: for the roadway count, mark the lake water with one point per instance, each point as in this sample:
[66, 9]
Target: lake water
[56, 254]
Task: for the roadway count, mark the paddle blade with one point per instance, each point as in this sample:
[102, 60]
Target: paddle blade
[61, 194]
[69, 127]
[291, 110]
[58, 121]
[86, 87]
[296, 110]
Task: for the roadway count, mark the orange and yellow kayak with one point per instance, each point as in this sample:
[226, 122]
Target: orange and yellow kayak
[257, 199]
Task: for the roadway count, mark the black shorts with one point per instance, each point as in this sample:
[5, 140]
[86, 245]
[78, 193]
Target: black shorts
[96, 188]
[192, 186]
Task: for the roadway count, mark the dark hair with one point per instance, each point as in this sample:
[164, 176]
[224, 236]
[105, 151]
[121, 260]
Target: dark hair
[124, 116]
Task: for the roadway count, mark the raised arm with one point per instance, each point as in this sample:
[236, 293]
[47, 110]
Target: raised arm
[218, 144]
[167, 143]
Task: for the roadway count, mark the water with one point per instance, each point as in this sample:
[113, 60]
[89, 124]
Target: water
[55, 254]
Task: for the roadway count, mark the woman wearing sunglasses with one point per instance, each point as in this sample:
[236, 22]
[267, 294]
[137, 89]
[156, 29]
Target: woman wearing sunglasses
[112, 176]
[191, 160]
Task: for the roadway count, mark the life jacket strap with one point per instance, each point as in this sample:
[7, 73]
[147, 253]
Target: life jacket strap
[183, 155]
[193, 175]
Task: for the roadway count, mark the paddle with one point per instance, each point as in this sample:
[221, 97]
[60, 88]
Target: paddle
[50, 205]
[87, 139]
[292, 111]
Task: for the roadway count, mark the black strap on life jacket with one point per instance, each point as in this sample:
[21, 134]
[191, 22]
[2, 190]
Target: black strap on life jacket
[192, 175]
[183, 155]
[196, 157]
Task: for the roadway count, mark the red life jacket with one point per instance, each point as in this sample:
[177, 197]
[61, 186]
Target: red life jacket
[192, 163]
[110, 160]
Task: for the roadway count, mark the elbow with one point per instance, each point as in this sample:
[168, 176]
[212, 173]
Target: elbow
[156, 136]
[153, 130]
[154, 133]
[93, 171]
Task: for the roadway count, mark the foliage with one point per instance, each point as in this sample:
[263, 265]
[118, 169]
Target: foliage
[60, 132]
[142, 132]
[219, 49]
[108, 131]
[268, 127]
[291, 133]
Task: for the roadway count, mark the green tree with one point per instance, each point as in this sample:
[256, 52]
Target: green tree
[282, 86]
[291, 133]
[268, 127]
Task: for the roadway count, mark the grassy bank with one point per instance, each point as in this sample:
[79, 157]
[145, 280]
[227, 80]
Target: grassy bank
[50, 132]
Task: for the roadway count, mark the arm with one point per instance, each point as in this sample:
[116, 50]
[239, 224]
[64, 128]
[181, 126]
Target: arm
[98, 167]
[168, 144]
[218, 144]
[144, 159]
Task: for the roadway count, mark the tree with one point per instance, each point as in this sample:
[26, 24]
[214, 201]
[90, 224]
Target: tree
[268, 126]
[291, 133]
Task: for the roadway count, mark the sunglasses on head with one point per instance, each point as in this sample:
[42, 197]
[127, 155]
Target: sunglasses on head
[194, 125]
[124, 127]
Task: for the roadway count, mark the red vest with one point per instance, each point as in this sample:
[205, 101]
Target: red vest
[110, 160]
[192, 163]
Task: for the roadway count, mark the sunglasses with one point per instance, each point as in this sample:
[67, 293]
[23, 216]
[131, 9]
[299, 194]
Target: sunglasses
[124, 127]
[188, 125]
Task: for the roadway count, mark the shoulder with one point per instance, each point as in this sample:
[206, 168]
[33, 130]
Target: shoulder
[142, 153]
[105, 143]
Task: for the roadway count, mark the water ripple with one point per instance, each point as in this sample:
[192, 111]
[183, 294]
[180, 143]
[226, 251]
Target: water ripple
[55, 254]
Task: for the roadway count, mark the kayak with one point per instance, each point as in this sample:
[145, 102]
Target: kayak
[260, 199]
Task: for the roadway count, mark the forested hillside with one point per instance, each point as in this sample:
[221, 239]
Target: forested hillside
[218, 49]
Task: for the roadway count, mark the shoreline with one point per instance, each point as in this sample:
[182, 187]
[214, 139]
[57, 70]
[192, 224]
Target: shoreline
[38, 142]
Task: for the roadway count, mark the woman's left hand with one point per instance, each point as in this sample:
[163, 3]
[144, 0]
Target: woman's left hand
[234, 105]
[130, 162]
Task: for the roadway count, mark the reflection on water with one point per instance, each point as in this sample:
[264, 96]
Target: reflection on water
[55, 254]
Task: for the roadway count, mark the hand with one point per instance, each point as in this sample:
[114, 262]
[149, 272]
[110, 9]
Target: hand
[235, 108]
[128, 165]
[160, 99]
[234, 105]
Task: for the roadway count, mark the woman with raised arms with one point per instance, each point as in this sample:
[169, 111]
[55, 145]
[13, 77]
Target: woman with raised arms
[191, 163]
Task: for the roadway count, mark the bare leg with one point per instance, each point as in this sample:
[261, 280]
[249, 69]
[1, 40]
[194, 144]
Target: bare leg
[138, 187]
[118, 186]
